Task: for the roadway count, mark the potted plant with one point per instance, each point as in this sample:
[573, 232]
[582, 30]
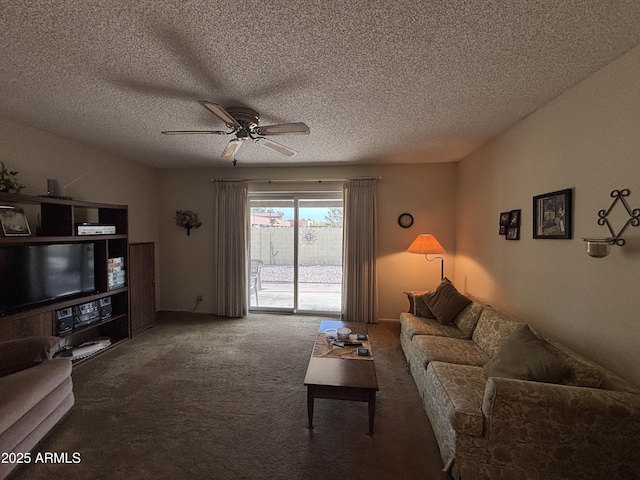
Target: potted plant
[8, 181]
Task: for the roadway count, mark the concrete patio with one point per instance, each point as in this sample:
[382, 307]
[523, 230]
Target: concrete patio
[314, 297]
[319, 288]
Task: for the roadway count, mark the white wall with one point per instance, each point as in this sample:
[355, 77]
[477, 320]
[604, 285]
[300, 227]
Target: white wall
[586, 139]
[93, 175]
[427, 191]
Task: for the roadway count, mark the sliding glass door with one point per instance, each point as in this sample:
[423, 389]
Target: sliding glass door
[271, 255]
[295, 252]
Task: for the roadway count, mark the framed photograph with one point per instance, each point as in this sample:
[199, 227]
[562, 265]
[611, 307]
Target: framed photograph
[14, 222]
[513, 233]
[513, 226]
[514, 218]
[504, 222]
[552, 215]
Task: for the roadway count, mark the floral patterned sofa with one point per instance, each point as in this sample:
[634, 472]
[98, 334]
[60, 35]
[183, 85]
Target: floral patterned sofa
[507, 403]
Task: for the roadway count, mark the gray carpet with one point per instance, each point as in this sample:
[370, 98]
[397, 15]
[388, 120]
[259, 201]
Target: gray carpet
[200, 397]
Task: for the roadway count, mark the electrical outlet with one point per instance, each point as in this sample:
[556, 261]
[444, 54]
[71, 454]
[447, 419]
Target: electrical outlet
[199, 298]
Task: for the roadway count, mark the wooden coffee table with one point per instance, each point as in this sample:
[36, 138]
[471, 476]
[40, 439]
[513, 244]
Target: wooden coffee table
[351, 379]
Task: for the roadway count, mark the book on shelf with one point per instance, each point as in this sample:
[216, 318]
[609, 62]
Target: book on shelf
[116, 275]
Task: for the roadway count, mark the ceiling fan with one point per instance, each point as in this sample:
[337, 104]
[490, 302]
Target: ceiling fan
[243, 124]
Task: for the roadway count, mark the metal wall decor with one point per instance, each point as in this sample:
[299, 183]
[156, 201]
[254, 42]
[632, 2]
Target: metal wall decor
[634, 215]
[187, 219]
[599, 247]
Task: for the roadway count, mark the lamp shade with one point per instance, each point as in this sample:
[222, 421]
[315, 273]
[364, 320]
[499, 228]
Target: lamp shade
[425, 244]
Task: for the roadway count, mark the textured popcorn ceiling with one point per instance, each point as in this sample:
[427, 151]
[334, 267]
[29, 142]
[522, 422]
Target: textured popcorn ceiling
[376, 81]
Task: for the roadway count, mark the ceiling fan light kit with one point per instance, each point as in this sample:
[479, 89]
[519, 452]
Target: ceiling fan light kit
[243, 122]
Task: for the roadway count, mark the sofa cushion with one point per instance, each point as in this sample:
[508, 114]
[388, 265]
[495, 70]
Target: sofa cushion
[16, 355]
[467, 319]
[459, 389]
[414, 325]
[446, 302]
[492, 329]
[524, 356]
[431, 348]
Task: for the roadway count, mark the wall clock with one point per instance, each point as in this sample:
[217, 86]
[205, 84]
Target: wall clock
[405, 220]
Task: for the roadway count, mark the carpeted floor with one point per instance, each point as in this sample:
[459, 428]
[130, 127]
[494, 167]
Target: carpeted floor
[200, 397]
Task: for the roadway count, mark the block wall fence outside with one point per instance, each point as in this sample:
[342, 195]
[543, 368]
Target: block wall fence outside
[318, 245]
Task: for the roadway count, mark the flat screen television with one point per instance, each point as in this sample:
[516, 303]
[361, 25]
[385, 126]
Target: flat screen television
[34, 275]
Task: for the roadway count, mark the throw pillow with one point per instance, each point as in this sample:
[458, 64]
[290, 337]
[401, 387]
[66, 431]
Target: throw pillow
[582, 372]
[446, 302]
[16, 355]
[524, 356]
[420, 306]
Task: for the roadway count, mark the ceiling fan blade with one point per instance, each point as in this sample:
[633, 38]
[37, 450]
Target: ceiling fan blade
[231, 149]
[298, 128]
[286, 151]
[221, 113]
[195, 132]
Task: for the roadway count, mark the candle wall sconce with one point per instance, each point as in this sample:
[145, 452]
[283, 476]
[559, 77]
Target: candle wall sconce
[600, 247]
[187, 219]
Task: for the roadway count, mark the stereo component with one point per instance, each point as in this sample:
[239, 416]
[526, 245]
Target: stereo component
[86, 314]
[95, 229]
[105, 308]
[64, 320]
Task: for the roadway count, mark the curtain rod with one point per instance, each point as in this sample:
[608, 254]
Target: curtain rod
[289, 180]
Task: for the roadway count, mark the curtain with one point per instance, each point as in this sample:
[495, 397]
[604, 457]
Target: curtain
[229, 248]
[359, 286]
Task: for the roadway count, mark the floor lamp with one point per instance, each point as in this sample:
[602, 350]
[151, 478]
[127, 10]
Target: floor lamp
[426, 244]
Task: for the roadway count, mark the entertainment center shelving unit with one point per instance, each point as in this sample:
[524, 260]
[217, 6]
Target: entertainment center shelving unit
[53, 220]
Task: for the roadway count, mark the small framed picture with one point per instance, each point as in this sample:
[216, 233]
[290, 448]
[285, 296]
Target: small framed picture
[552, 215]
[513, 226]
[504, 222]
[513, 233]
[14, 222]
[514, 218]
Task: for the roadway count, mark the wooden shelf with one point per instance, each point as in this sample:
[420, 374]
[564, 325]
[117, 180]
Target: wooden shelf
[113, 345]
[94, 325]
[61, 239]
[37, 199]
[58, 305]
[54, 219]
